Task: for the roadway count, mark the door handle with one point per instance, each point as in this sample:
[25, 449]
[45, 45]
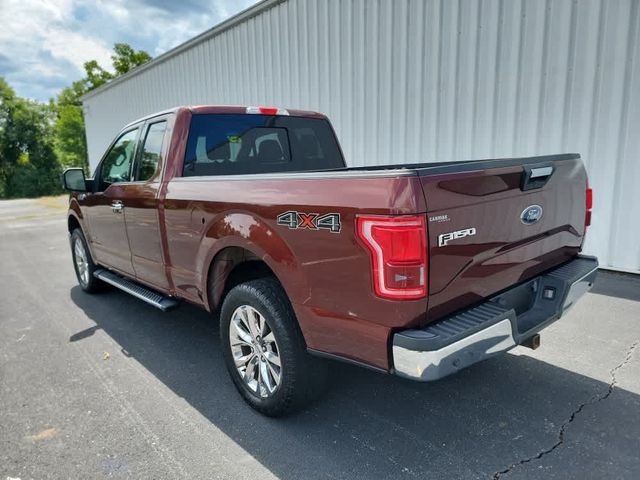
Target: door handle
[117, 206]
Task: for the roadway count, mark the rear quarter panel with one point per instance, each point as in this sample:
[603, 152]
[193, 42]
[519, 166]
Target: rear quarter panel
[326, 275]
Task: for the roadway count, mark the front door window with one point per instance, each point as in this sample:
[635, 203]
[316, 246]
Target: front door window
[116, 167]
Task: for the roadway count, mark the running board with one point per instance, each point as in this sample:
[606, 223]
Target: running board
[143, 293]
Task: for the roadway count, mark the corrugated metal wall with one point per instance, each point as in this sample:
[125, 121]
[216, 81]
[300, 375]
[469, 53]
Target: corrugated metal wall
[422, 81]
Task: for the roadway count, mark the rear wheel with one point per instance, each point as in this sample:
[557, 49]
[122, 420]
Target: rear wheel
[264, 350]
[255, 351]
[82, 263]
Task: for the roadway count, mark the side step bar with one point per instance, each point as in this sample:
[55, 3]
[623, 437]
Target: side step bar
[143, 293]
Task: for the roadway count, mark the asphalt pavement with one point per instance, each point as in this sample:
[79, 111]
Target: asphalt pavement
[105, 386]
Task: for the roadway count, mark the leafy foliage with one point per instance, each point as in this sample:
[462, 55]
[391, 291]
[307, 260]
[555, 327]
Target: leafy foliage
[96, 75]
[38, 140]
[28, 164]
[126, 58]
[71, 95]
[70, 143]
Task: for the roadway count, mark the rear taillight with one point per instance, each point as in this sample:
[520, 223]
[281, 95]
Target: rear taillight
[398, 247]
[587, 218]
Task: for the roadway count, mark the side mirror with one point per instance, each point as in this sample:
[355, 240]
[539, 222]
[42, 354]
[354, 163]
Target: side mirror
[73, 180]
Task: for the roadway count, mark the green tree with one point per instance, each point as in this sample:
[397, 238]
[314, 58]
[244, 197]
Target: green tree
[70, 139]
[28, 163]
[7, 99]
[37, 140]
[126, 58]
[71, 95]
[96, 75]
[70, 142]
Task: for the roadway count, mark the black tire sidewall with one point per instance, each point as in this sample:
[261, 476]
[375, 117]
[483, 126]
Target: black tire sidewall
[267, 298]
[77, 236]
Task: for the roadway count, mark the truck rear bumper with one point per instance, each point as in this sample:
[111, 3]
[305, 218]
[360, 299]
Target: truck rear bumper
[494, 326]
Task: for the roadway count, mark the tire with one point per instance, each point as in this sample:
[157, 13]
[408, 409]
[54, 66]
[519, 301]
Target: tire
[83, 264]
[300, 377]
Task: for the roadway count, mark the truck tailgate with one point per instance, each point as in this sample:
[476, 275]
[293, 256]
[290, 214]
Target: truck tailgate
[494, 224]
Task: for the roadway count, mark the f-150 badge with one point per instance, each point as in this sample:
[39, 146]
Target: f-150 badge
[312, 221]
[445, 238]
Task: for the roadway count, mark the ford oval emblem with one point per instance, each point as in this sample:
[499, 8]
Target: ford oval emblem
[531, 214]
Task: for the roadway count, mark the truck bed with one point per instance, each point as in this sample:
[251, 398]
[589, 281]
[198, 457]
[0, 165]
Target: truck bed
[436, 168]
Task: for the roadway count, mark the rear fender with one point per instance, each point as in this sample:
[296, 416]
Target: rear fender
[247, 231]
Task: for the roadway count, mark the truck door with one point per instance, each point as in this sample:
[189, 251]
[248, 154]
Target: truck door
[141, 205]
[105, 208]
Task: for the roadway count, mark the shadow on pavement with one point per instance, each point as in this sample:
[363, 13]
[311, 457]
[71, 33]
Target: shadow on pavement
[370, 425]
[619, 285]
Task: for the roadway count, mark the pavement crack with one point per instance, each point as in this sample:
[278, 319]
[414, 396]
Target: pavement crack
[572, 417]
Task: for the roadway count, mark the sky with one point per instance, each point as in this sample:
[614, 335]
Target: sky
[44, 43]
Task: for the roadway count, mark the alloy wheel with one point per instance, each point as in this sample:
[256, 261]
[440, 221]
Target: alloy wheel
[255, 351]
[82, 264]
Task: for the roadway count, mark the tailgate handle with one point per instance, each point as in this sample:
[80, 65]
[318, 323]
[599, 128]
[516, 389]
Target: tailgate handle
[541, 172]
[536, 176]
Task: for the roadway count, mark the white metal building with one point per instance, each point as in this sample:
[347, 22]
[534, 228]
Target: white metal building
[426, 80]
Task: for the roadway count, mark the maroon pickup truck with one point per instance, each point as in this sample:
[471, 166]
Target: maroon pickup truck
[417, 270]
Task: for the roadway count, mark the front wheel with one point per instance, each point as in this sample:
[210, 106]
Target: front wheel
[82, 263]
[264, 350]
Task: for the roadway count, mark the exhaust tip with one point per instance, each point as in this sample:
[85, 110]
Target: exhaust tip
[532, 342]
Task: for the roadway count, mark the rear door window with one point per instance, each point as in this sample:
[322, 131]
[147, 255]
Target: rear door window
[228, 144]
[151, 151]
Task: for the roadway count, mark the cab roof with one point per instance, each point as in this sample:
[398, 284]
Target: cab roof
[232, 109]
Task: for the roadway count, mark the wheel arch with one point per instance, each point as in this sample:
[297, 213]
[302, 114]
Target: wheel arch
[75, 221]
[242, 246]
[232, 266]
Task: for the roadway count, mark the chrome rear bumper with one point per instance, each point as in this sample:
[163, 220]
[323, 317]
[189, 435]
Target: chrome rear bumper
[493, 327]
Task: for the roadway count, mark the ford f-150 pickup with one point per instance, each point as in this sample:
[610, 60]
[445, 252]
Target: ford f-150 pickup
[418, 270]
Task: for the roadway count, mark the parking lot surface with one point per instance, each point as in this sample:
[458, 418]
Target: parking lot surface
[105, 386]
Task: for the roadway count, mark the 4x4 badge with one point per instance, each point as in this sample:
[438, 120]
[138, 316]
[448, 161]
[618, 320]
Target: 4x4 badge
[312, 221]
